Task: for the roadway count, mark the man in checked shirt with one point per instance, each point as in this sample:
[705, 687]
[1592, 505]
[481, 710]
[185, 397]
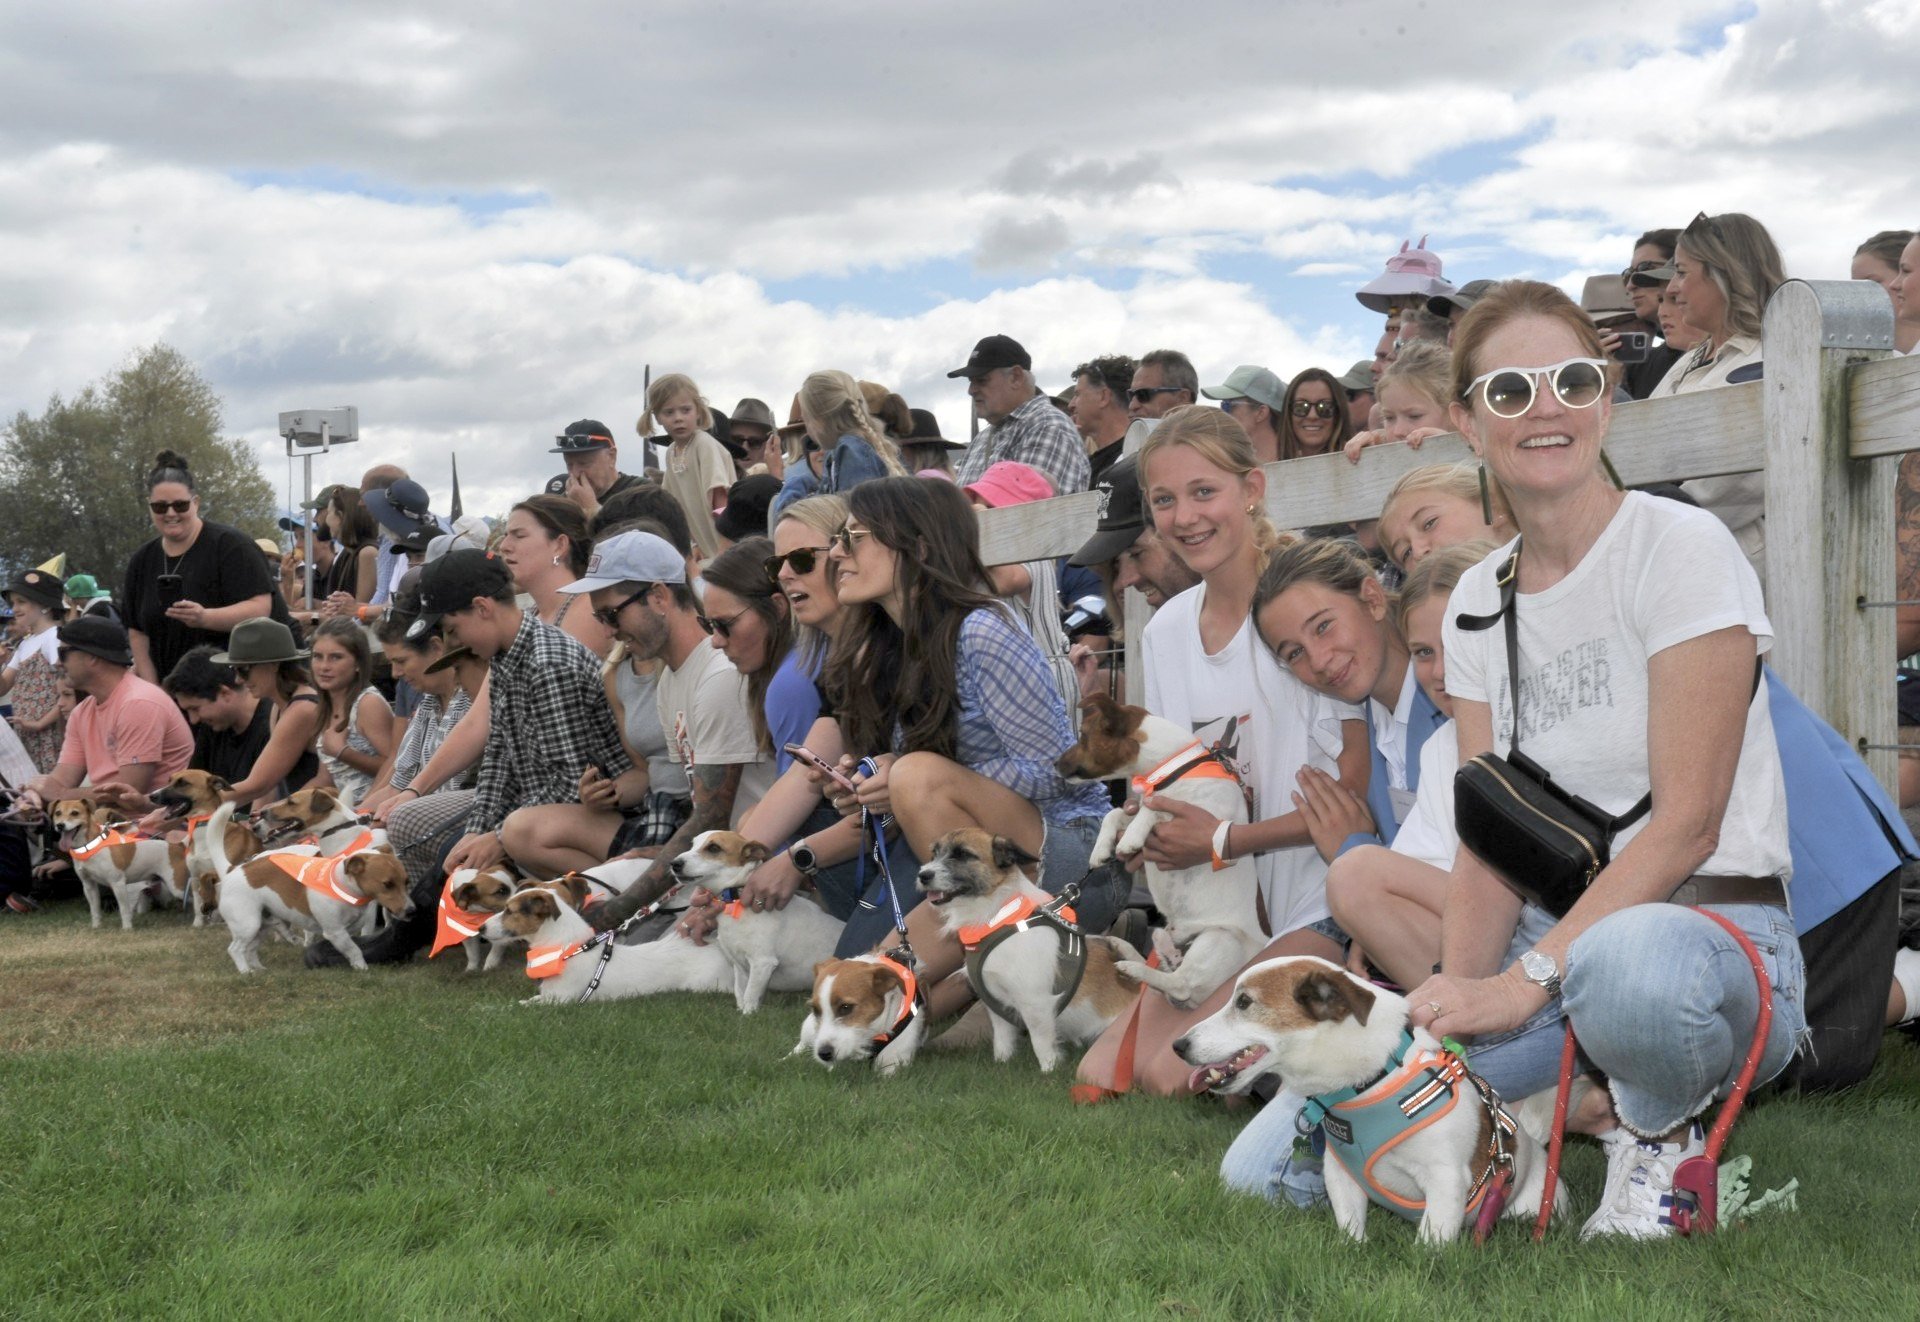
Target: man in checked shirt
[1026, 426]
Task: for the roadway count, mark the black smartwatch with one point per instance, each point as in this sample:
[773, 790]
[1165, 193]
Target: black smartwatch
[804, 859]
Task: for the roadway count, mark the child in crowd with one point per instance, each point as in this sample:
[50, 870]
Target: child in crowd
[1206, 669]
[698, 470]
[442, 704]
[356, 729]
[1413, 394]
[1438, 506]
[857, 449]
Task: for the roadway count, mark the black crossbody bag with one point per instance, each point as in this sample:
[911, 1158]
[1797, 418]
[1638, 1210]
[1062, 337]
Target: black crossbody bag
[1545, 843]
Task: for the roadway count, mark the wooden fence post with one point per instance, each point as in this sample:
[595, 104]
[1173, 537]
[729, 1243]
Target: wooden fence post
[1829, 517]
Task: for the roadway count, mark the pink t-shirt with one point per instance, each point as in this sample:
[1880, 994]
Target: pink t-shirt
[138, 724]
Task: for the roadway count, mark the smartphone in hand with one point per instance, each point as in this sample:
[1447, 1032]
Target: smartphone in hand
[807, 757]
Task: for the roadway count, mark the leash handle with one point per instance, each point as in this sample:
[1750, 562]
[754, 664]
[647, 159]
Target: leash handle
[1558, 1139]
[873, 835]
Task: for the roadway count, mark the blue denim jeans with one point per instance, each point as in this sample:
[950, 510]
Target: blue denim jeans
[1663, 1003]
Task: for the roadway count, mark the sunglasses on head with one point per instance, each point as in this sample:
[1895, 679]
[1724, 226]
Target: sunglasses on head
[1144, 394]
[170, 506]
[720, 628]
[1578, 383]
[1318, 408]
[802, 560]
[611, 616]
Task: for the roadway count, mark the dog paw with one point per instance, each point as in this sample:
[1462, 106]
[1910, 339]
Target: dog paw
[1131, 968]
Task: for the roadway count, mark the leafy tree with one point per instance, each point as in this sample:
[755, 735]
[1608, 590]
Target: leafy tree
[74, 478]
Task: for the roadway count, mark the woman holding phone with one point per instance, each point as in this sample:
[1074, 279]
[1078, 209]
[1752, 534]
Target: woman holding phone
[193, 582]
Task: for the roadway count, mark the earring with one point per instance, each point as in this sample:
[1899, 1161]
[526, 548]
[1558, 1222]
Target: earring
[1252, 508]
[556, 559]
[1486, 499]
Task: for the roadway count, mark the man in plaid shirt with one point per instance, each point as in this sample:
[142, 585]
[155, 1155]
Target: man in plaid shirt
[549, 720]
[1026, 427]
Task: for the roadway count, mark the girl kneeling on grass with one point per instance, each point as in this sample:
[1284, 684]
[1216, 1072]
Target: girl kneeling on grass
[1206, 670]
[932, 677]
[356, 730]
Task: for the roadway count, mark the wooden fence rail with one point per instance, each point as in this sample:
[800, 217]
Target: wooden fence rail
[1827, 424]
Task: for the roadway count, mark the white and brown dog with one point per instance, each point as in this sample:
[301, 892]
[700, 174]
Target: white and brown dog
[1213, 918]
[865, 1008]
[1406, 1125]
[1021, 962]
[547, 917]
[324, 892]
[480, 893]
[106, 853]
[771, 950]
[190, 798]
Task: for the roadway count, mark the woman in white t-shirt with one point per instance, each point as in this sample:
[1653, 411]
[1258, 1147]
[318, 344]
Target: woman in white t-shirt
[1639, 623]
[1206, 669]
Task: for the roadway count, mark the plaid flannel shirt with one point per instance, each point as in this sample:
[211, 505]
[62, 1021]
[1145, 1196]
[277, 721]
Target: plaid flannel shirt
[550, 720]
[1038, 435]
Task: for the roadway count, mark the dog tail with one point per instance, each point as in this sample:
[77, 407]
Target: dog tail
[217, 836]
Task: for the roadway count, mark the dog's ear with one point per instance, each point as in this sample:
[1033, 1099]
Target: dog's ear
[575, 887]
[755, 852]
[219, 786]
[886, 976]
[356, 864]
[1098, 710]
[324, 800]
[538, 905]
[1006, 854]
[1328, 996]
[465, 894]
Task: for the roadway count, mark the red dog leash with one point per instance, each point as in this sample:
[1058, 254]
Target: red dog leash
[1696, 1183]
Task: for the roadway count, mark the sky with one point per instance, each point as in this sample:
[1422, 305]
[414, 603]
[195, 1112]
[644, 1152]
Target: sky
[478, 223]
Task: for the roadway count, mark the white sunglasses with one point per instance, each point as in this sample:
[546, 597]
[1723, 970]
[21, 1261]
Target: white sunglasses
[1578, 383]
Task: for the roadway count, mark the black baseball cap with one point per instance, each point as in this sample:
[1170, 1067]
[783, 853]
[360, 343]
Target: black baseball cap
[97, 636]
[748, 501]
[993, 352]
[582, 436]
[453, 581]
[1122, 515]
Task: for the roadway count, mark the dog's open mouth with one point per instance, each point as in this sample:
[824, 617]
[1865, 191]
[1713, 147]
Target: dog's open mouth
[938, 898]
[1221, 1075]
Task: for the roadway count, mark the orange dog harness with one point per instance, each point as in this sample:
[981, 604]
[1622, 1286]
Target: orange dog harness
[319, 874]
[1021, 914]
[107, 839]
[452, 924]
[910, 1006]
[1196, 759]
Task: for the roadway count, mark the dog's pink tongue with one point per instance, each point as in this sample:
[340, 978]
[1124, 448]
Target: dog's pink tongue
[1197, 1080]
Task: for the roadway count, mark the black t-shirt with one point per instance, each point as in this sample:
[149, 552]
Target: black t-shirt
[222, 568]
[1641, 378]
[230, 754]
[557, 486]
[1102, 459]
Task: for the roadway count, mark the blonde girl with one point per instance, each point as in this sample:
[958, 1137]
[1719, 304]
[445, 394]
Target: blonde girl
[699, 470]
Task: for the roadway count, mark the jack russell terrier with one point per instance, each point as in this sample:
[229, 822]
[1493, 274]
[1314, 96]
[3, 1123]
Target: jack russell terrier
[106, 852]
[318, 889]
[1033, 972]
[1407, 1125]
[771, 950]
[190, 798]
[547, 917]
[1212, 913]
[865, 1008]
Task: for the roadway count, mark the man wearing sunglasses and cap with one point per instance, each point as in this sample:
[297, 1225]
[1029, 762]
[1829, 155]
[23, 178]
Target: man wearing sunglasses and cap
[593, 466]
[1025, 426]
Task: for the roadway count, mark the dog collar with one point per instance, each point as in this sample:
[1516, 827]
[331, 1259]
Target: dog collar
[318, 873]
[1363, 1124]
[1196, 759]
[194, 823]
[910, 1006]
[107, 839]
[730, 903]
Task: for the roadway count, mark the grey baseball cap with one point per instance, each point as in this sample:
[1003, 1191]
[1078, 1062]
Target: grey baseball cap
[1250, 382]
[631, 557]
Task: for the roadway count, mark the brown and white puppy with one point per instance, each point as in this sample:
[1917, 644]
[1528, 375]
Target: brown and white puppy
[775, 949]
[199, 794]
[1323, 1030]
[861, 1009]
[548, 915]
[260, 889]
[320, 813]
[125, 868]
[971, 877]
[1213, 920]
[485, 890]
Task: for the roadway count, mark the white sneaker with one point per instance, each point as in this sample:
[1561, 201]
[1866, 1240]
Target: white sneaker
[1638, 1199]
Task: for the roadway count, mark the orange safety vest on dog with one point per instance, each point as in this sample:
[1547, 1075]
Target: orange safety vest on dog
[107, 839]
[1196, 759]
[319, 874]
[452, 923]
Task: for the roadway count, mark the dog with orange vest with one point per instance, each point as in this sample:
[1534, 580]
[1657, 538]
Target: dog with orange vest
[774, 949]
[324, 889]
[566, 956]
[107, 853]
[1032, 968]
[1212, 910]
[189, 799]
[866, 1008]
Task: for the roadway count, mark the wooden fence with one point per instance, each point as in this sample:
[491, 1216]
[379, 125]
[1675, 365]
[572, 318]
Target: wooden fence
[1827, 425]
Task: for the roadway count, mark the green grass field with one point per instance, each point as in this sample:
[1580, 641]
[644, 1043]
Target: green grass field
[411, 1143]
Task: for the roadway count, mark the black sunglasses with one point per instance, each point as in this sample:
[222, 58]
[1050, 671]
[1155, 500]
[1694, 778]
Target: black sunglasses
[611, 617]
[1319, 408]
[1627, 276]
[170, 506]
[720, 628]
[1142, 394]
[802, 560]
